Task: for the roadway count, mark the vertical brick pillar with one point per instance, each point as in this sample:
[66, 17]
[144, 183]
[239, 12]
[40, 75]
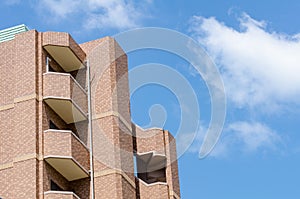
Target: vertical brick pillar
[112, 138]
[18, 170]
[6, 117]
[172, 165]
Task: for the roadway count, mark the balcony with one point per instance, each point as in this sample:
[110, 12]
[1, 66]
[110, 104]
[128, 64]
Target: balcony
[60, 195]
[158, 190]
[65, 96]
[151, 167]
[64, 50]
[65, 152]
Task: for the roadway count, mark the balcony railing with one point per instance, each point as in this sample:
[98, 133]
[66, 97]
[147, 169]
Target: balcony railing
[60, 195]
[66, 153]
[65, 96]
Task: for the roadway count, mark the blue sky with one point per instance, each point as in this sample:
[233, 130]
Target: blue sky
[254, 44]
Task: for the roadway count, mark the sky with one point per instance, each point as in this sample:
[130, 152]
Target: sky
[255, 47]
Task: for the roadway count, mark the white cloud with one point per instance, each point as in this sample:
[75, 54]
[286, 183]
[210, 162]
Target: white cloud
[240, 136]
[258, 67]
[114, 14]
[102, 14]
[253, 135]
[60, 8]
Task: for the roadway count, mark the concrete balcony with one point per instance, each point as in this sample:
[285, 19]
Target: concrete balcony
[66, 153]
[65, 96]
[66, 52]
[151, 167]
[60, 195]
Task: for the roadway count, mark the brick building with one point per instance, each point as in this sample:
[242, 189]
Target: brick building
[61, 137]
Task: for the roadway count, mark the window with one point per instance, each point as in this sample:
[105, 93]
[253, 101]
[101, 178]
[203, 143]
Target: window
[55, 187]
[52, 125]
[50, 69]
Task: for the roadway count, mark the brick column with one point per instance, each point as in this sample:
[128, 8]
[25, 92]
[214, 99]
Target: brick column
[112, 138]
[18, 156]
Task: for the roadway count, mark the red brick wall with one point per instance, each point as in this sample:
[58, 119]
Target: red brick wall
[113, 148]
[64, 86]
[81, 188]
[19, 123]
[63, 39]
[172, 168]
[154, 191]
[150, 140]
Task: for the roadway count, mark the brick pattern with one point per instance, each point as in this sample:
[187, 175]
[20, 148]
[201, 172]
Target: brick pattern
[112, 140]
[172, 168]
[57, 143]
[80, 77]
[155, 191]
[79, 187]
[7, 187]
[63, 39]
[25, 179]
[25, 117]
[149, 140]
[62, 85]
[18, 123]
[25, 63]
[82, 131]
[6, 136]
[113, 186]
[7, 68]
[90, 46]
[162, 142]
[127, 190]
[40, 62]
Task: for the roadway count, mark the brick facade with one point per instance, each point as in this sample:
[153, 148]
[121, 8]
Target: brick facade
[44, 138]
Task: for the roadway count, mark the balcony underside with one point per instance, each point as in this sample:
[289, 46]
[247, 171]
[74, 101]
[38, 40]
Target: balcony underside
[66, 109]
[154, 161]
[65, 57]
[67, 167]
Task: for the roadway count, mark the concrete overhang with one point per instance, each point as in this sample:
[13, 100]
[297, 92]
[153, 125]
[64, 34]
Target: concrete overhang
[66, 109]
[65, 57]
[64, 50]
[153, 160]
[67, 167]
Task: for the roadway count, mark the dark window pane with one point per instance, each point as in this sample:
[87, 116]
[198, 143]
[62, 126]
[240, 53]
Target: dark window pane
[55, 187]
[52, 125]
